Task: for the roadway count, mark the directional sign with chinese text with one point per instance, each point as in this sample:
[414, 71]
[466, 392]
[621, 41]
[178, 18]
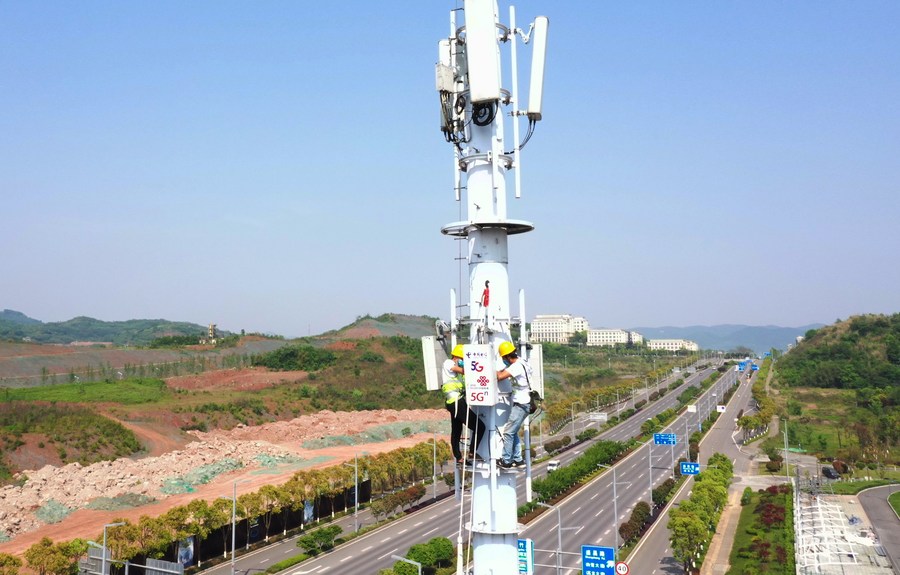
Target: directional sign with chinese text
[664, 439]
[690, 468]
[481, 377]
[526, 556]
[597, 560]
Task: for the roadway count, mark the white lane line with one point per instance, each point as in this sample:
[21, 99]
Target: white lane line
[367, 548]
[346, 559]
[388, 553]
[402, 532]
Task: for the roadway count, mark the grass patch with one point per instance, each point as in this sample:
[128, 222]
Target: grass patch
[894, 500]
[764, 541]
[854, 487]
[126, 392]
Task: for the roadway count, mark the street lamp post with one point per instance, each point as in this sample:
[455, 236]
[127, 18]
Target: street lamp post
[558, 535]
[103, 559]
[405, 560]
[615, 507]
[355, 467]
[573, 417]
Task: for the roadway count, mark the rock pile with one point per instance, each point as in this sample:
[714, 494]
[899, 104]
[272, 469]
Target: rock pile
[74, 486]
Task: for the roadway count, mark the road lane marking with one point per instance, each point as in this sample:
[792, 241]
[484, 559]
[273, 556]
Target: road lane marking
[388, 553]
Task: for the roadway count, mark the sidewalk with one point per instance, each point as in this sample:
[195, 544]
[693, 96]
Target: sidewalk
[716, 562]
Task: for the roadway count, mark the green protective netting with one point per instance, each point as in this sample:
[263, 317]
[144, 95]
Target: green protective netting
[294, 464]
[52, 512]
[381, 433]
[126, 501]
[204, 474]
[4, 537]
[266, 460]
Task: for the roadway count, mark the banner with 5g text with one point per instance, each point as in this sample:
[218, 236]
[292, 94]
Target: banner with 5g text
[481, 376]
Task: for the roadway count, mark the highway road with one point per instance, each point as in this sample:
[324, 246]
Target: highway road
[587, 516]
[654, 554]
[591, 508]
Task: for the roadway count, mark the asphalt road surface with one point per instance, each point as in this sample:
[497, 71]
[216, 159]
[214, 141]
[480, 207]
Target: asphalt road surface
[884, 520]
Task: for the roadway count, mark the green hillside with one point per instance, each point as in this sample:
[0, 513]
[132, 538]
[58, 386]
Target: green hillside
[861, 352]
[17, 326]
[840, 389]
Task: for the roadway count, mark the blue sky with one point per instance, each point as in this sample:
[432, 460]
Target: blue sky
[270, 167]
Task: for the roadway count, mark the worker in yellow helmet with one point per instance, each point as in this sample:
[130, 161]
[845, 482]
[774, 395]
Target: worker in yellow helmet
[454, 389]
[518, 370]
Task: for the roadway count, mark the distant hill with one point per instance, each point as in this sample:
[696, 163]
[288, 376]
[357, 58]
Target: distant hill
[18, 317]
[385, 325]
[17, 326]
[729, 336]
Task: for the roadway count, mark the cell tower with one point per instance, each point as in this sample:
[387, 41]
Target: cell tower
[474, 110]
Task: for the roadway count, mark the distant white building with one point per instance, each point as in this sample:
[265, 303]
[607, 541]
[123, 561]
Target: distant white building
[611, 337]
[672, 345]
[557, 328]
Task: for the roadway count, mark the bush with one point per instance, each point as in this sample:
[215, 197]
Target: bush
[773, 466]
[747, 496]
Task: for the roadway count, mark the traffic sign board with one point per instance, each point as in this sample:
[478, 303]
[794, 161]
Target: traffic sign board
[690, 468]
[526, 556]
[664, 439]
[621, 568]
[754, 367]
[597, 560]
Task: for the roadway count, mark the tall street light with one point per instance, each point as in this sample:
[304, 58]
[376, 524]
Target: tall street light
[434, 465]
[558, 534]
[405, 560]
[615, 506]
[355, 467]
[233, 520]
[573, 417]
[103, 560]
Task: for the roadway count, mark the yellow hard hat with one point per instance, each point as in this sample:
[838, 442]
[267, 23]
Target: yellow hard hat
[457, 351]
[506, 348]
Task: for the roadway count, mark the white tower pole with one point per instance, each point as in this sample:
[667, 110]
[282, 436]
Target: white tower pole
[469, 78]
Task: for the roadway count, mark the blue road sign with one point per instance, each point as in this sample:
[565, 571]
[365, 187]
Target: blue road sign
[690, 468]
[597, 560]
[526, 556]
[754, 367]
[664, 439]
[768, 353]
